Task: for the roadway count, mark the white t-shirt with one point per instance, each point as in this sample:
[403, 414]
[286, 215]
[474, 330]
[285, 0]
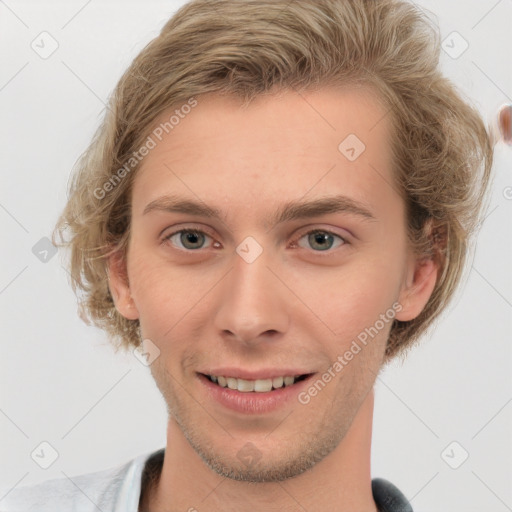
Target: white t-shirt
[118, 490]
[112, 490]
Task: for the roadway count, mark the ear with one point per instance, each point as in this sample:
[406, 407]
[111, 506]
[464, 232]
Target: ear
[120, 287]
[418, 285]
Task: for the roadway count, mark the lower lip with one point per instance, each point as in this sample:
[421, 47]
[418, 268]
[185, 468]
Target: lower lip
[253, 402]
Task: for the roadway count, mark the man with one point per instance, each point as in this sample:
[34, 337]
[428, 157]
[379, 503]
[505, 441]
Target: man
[271, 211]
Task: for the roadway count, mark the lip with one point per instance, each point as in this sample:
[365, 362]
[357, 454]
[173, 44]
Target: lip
[253, 403]
[268, 373]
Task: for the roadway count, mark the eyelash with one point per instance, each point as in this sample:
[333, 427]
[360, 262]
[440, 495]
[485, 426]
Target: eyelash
[294, 242]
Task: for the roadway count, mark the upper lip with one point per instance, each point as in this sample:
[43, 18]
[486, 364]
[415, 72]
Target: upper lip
[266, 373]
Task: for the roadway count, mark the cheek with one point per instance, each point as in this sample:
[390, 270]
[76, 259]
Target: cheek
[351, 297]
[154, 292]
[169, 299]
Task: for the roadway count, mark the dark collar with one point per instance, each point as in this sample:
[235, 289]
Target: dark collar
[388, 498]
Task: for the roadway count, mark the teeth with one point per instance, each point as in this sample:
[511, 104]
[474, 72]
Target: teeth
[245, 385]
[277, 382]
[288, 381]
[258, 385]
[263, 385]
[232, 383]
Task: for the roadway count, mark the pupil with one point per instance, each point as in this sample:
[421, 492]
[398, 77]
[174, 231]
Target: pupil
[192, 238]
[321, 238]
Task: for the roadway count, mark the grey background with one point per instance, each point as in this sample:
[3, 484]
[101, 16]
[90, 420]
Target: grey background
[60, 381]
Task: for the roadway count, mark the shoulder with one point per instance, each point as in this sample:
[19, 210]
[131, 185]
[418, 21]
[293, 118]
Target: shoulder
[87, 492]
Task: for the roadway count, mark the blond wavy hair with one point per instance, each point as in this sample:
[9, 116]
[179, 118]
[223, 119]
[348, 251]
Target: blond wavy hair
[441, 147]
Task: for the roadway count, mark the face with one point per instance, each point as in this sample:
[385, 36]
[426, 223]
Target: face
[257, 285]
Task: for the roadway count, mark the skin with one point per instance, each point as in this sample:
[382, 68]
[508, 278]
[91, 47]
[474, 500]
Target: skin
[295, 305]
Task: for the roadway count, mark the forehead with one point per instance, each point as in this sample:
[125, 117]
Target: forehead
[281, 146]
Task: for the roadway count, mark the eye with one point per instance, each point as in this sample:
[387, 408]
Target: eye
[321, 240]
[188, 239]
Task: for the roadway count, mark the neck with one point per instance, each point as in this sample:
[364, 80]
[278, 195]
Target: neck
[341, 482]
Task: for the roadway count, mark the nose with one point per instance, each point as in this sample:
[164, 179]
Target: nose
[253, 303]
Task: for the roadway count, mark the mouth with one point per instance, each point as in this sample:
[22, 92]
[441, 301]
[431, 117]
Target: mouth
[273, 390]
[256, 385]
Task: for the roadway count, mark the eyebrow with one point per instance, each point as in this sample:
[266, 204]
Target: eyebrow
[292, 210]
